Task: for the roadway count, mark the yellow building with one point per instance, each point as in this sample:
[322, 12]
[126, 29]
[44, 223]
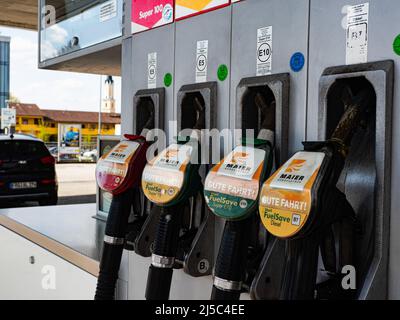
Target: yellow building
[44, 124]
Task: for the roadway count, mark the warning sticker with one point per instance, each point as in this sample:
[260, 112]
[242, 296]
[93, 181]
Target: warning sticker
[175, 158]
[357, 34]
[201, 61]
[295, 174]
[108, 10]
[152, 70]
[163, 178]
[122, 153]
[264, 51]
[232, 187]
[242, 163]
[285, 200]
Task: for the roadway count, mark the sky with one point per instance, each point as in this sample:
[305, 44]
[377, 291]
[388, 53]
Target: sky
[47, 88]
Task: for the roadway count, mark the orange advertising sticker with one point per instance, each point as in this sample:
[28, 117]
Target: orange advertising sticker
[163, 178]
[238, 174]
[285, 200]
[232, 187]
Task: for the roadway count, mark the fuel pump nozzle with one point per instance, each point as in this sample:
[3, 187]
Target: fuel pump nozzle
[355, 108]
[300, 203]
[267, 126]
[231, 192]
[169, 181]
[118, 172]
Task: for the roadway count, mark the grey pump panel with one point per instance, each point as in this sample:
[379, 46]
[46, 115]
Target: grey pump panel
[366, 179]
[149, 109]
[279, 86]
[196, 108]
[266, 283]
[206, 93]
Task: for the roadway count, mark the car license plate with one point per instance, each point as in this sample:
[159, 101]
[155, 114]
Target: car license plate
[23, 185]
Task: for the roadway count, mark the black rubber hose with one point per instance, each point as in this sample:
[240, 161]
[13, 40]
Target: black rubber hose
[165, 245]
[232, 258]
[300, 270]
[159, 283]
[221, 295]
[116, 228]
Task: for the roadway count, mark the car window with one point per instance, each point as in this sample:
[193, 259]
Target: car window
[22, 150]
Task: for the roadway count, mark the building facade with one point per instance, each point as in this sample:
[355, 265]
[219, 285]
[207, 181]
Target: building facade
[44, 124]
[4, 70]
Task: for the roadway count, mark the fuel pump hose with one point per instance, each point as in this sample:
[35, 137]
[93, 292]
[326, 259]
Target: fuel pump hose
[231, 262]
[164, 253]
[114, 241]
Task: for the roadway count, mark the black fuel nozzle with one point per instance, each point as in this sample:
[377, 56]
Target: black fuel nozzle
[164, 254]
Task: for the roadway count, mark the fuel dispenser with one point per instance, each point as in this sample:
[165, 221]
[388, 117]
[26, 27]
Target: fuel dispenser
[118, 172]
[360, 54]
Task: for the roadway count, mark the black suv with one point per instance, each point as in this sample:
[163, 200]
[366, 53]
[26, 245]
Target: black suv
[27, 170]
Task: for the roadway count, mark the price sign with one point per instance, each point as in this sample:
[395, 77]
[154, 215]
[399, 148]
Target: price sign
[8, 118]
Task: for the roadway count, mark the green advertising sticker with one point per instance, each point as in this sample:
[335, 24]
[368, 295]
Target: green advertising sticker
[168, 80]
[222, 72]
[229, 207]
[396, 45]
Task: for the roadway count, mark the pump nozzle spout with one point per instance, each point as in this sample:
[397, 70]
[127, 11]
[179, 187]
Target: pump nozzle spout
[267, 128]
[356, 106]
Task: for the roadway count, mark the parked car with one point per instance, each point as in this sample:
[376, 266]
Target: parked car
[54, 152]
[27, 170]
[89, 156]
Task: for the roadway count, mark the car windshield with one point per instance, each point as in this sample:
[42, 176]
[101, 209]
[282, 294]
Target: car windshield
[11, 150]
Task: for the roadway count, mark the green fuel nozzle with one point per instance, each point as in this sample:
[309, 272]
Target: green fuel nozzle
[231, 191]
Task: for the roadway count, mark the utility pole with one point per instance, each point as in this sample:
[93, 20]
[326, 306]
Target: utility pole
[100, 104]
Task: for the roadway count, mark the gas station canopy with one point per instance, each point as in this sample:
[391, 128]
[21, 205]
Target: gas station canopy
[97, 52]
[19, 13]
